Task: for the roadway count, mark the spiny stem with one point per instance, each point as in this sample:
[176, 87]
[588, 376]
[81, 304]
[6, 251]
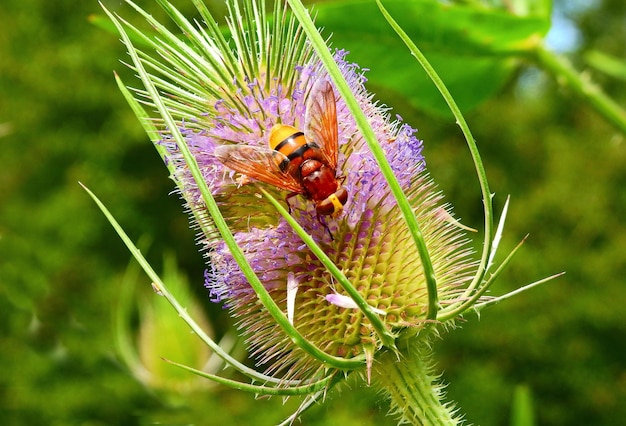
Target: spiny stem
[415, 395]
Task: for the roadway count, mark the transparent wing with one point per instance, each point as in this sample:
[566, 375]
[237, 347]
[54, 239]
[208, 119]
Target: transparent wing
[321, 120]
[257, 163]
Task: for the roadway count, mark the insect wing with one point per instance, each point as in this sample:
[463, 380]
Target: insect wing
[257, 163]
[321, 120]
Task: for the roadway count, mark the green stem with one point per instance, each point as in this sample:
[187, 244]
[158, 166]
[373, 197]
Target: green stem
[415, 393]
[566, 74]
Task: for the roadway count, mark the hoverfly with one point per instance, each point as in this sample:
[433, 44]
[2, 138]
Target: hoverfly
[305, 165]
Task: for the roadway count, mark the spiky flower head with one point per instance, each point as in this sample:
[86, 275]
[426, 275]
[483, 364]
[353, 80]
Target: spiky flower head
[226, 96]
[356, 285]
[235, 96]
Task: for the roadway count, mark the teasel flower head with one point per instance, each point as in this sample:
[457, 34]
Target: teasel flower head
[315, 296]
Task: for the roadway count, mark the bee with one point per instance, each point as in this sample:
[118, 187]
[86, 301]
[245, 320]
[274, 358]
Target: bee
[295, 162]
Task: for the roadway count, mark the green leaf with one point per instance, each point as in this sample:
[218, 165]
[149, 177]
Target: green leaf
[473, 49]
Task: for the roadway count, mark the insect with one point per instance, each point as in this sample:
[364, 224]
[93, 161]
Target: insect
[305, 165]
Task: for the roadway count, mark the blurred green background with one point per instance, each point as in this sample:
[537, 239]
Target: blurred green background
[63, 270]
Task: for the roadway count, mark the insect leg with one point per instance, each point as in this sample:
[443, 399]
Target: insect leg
[288, 197]
[322, 220]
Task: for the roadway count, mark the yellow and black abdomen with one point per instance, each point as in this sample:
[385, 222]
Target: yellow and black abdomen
[291, 143]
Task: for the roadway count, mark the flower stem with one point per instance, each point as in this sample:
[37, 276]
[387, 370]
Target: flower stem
[415, 393]
[566, 74]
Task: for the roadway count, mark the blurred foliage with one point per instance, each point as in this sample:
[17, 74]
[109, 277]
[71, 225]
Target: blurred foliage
[62, 120]
[463, 43]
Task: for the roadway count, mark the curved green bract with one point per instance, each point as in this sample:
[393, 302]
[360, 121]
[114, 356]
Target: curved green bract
[366, 130]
